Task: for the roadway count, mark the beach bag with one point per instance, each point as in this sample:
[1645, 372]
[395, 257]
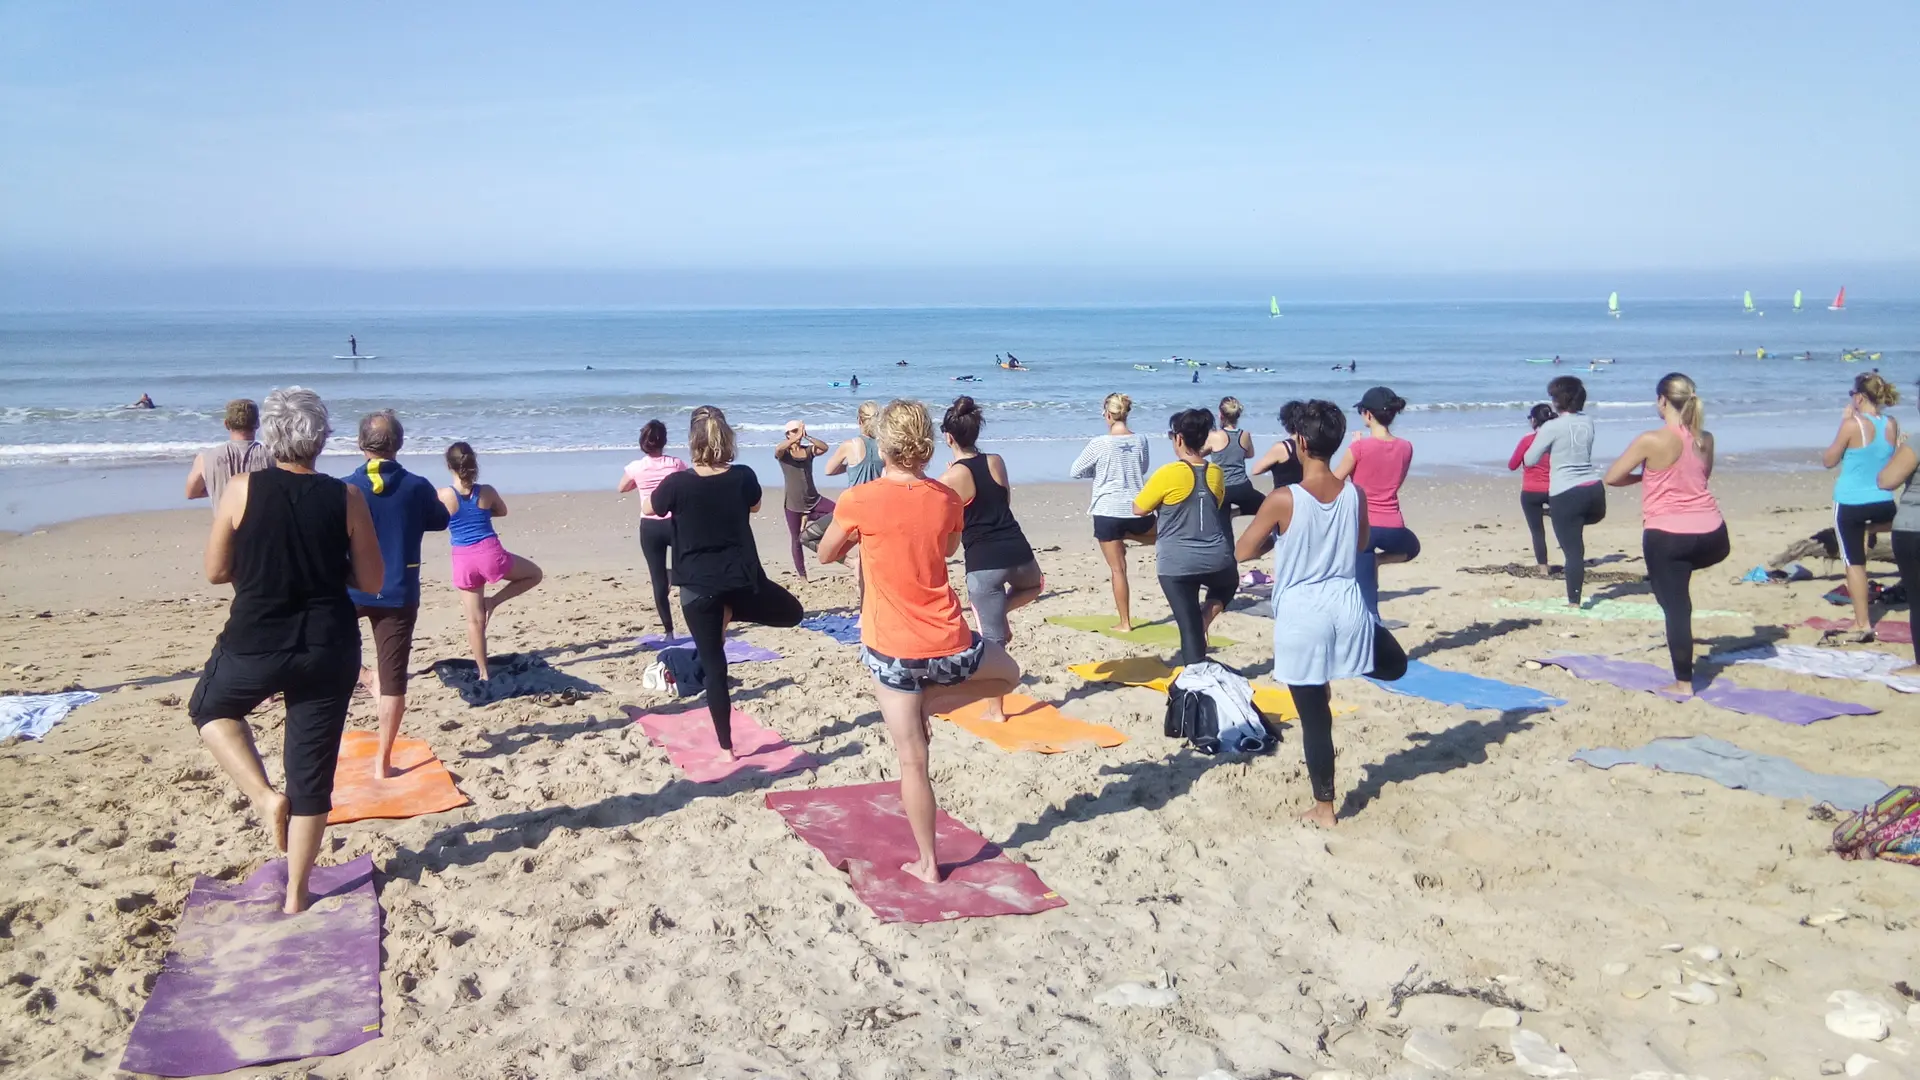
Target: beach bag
[814, 531]
[1211, 709]
[1889, 829]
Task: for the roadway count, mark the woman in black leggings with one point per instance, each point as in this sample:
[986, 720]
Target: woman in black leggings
[1575, 496]
[1533, 488]
[656, 532]
[1194, 546]
[715, 562]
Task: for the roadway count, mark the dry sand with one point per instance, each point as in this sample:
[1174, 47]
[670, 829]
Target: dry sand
[592, 913]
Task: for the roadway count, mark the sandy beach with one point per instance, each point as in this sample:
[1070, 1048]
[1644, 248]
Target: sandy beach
[594, 913]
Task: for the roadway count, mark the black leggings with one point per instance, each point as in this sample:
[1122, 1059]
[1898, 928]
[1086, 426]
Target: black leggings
[706, 615]
[1243, 500]
[1183, 596]
[1534, 505]
[1671, 560]
[1315, 704]
[1906, 555]
[656, 539]
[1572, 511]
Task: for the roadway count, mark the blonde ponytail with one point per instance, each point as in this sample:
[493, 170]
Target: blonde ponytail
[1680, 392]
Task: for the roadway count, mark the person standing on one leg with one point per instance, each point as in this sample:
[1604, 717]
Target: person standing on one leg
[914, 639]
[1901, 473]
[290, 541]
[403, 507]
[1117, 462]
[715, 562]
[479, 559]
[1378, 462]
[656, 533]
[1684, 531]
[1861, 449]
[804, 503]
[1575, 496]
[1534, 483]
[1194, 547]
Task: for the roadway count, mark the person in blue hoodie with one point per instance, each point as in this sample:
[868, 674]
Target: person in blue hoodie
[404, 507]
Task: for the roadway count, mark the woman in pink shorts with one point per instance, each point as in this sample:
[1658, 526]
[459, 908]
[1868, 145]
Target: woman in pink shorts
[478, 557]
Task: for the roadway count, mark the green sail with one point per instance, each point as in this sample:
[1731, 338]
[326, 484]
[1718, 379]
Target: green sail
[1796, 299]
[1613, 301]
[1273, 306]
[1747, 300]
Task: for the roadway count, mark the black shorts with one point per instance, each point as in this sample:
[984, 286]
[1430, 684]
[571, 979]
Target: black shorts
[392, 644]
[1850, 521]
[317, 684]
[1109, 529]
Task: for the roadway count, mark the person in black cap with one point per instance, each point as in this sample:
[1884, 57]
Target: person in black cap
[1378, 462]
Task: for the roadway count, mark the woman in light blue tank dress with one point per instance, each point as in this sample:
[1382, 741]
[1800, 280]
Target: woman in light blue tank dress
[1321, 627]
[1865, 441]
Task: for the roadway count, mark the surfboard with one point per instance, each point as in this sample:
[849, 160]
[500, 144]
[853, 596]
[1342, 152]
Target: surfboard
[374, 356]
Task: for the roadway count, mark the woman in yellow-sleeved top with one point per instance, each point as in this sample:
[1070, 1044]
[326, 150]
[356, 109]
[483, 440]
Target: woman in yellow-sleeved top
[1194, 548]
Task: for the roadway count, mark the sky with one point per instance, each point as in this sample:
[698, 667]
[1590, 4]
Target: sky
[868, 143]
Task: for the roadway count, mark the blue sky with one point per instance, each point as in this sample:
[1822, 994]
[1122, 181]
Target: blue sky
[1504, 138]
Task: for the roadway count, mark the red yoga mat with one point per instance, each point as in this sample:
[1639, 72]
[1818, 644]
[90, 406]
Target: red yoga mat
[862, 832]
[1887, 630]
[687, 737]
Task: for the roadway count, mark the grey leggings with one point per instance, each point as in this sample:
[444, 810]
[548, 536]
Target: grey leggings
[987, 591]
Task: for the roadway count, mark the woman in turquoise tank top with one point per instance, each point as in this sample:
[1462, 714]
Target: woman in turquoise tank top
[1861, 448]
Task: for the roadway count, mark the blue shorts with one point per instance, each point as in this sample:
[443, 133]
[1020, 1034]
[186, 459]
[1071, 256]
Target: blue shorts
[913, 676]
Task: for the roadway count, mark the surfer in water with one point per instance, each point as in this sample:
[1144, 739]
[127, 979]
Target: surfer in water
[854, 382]
[1013, 362]
[353, 345]
[899, 363]
[145, 402]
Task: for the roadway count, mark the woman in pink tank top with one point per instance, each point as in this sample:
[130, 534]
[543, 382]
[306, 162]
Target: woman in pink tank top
[1377, 463]
[1683, 529]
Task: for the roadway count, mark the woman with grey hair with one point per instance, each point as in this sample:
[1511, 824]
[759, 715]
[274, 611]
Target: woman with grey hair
[290, 541]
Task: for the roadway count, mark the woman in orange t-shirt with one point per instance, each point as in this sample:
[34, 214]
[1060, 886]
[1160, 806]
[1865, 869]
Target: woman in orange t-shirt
[914, 639]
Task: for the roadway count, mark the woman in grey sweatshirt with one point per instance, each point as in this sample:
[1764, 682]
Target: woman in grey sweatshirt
[1575, 496]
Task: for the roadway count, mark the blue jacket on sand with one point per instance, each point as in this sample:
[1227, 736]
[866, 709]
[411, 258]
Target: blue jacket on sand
[404, 506]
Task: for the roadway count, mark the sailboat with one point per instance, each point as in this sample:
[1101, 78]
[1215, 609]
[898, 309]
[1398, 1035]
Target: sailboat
[1273, 308]
[1613, 304]
[1746, 301]
[1796, 301]
[1840, 301]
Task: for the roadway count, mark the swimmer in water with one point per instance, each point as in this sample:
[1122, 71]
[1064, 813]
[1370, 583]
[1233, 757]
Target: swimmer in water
[145, 402]
[854, 382]
[899, 363]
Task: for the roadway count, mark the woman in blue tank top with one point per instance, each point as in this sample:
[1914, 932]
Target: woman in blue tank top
[479, 559]
[1861, 448]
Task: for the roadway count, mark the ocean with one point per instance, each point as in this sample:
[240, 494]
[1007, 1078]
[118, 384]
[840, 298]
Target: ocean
[554, 399]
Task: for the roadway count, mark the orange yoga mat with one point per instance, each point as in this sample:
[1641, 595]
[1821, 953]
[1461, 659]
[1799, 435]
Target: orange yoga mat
[423, 785]
[1034, 725]
[1274, 702]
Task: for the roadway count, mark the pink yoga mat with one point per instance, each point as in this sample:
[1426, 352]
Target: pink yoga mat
[1887, 630]
[687, 737]
[862, 833]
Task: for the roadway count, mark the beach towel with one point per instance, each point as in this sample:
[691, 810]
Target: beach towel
[1274, 702]
[1740, 769]
[423, 787]
[512, 675]
[1612, 610]
[1033, 726]
[844, 629]
[738, 651]
[1862, 664]
[1164, 633]
[245, 985]
[1782, 705]
[1423, 680]
[33, 715]
[862, 833]
[1891, 631]
[688, 739]
[1889, 829]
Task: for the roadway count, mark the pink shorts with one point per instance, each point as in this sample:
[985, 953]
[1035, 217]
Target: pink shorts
[477, 564]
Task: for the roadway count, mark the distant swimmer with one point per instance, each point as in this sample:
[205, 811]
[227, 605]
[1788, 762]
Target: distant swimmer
[145, 402]
[1353, 365]
[1196, 374]
[899, 363]
[854, 382]
[353, 345]
[966, 378]
[1231, 366]
[1014, 361]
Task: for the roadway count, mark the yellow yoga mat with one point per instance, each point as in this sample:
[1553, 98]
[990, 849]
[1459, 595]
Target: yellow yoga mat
[1146, 634]
[1034, 725]
[1274, 702]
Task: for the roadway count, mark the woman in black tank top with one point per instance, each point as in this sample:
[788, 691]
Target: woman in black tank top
[1002, 573]
[290, 541]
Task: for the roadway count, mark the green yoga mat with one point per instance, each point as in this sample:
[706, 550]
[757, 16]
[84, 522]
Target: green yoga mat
[1610, 610]
[1148, 634]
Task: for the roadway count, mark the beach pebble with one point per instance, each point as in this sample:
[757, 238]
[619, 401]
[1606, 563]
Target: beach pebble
[1535, 1056]
[1834, 916]
[1431, 1049]
[1635, 993]
[1858, 1016]
[1135, 995]
[1672, 946]
[1499, 1018]
[1831, 1068]
[1706, 952]
[1698, 993]
[1615, 968]
[1859, 1063]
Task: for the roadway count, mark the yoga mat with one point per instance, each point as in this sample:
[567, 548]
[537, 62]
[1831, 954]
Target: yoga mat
[244, 984]
[687, 737]
[1863, 664]
[844, 629]
[1741, 769]
[423, 787]
[512, 675]
[1782, 705]
[863, 833]
[1459, 688]
[1274, 702]
[1164, 633]
[33, 715]
[1033, 725]
[1613, 610]
[1887, 630]
[738, 651]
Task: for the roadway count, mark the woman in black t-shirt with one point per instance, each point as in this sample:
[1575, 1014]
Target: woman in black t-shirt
[715, 562]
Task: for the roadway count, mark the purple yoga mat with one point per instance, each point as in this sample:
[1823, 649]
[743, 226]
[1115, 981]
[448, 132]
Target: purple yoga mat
[247, 985]
[738, 651]
[1782, 705]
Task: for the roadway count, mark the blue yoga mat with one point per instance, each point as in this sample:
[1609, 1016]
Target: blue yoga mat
[844, 629]
[1459, 688]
